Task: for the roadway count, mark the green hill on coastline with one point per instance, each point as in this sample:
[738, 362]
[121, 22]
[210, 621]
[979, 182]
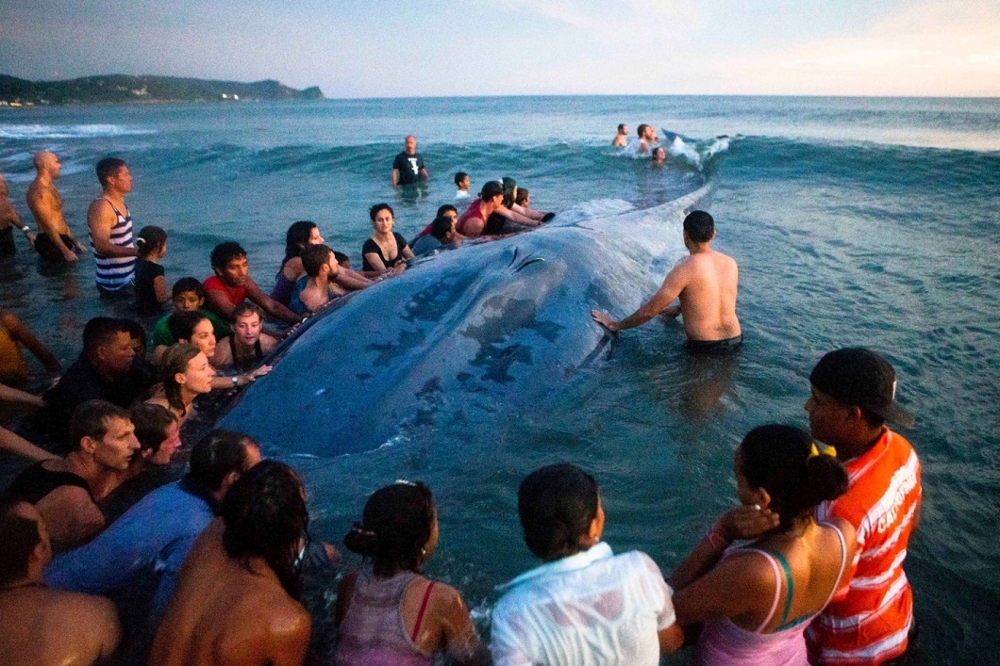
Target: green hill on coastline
[118, 88]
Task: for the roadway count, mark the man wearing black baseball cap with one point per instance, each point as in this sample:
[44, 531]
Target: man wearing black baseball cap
[853, 395]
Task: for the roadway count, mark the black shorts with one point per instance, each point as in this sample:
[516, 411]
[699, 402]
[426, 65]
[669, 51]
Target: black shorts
[48, 250]
[727, 346]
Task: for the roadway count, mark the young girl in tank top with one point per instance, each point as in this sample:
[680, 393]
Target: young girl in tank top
[756, 600]
[150, 284]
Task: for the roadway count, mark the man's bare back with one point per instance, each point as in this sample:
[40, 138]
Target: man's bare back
[706, 283]
[43, 627]
[50, 627]
[223, 614]
[708, 301]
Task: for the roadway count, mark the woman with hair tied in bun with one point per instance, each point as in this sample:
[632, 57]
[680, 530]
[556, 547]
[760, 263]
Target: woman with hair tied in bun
[392, 615]
[756, 600]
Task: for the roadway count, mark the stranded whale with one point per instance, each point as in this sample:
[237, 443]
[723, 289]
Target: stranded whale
[488, 331]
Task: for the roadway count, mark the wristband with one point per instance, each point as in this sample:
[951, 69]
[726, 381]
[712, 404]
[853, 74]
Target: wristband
[716, 540]
[26, 228]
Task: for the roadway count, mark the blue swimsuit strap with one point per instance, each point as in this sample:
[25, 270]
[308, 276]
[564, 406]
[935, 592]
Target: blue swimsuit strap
[791, 590]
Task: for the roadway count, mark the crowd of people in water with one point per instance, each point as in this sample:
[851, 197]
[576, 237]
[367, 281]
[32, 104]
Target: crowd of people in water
[108, 556]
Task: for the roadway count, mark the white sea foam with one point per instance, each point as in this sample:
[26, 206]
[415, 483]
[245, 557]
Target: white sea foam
[36, 132]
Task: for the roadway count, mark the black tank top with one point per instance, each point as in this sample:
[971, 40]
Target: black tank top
[246, 363]
[36, 482]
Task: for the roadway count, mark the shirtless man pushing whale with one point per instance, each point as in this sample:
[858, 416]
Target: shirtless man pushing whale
[706, 284]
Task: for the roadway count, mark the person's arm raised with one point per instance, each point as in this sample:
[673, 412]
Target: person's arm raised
[101, 219]
[13, 443]
[269, 305]
[22, 334]
[672, 286]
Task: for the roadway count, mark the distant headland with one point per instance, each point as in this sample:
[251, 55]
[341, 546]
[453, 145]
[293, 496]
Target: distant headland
[119, 89]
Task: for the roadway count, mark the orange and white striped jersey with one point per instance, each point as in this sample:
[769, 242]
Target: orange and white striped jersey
[869, 623]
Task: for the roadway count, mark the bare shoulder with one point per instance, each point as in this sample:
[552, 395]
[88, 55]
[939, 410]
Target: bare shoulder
[446, 600]
[68, 497]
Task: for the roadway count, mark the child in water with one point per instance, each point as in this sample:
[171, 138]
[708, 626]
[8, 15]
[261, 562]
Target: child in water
[150, 284]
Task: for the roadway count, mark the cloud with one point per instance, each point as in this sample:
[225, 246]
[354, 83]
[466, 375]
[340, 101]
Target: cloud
[936, 48]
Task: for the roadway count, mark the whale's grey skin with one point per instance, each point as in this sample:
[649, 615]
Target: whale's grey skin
[482, 332]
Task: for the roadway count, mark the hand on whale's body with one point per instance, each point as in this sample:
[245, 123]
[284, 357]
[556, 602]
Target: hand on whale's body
[470, 336]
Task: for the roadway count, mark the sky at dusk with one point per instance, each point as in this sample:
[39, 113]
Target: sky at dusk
[372, 48]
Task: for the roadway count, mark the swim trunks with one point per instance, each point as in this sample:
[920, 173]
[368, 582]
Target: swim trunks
[48, 250]
[727, 346]
[7, 247]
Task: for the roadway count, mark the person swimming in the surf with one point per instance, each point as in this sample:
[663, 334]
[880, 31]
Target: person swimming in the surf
[621, 139]
[647, 138]
[705, 282]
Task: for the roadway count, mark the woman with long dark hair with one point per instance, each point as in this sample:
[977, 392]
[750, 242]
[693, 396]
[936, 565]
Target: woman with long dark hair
[756, 601]
[237, 598]
[299, 236]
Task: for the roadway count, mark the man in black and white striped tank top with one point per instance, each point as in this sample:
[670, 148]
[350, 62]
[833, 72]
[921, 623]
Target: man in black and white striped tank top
[111, 229]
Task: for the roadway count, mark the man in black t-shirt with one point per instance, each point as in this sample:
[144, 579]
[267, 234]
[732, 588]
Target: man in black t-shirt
[408, 167]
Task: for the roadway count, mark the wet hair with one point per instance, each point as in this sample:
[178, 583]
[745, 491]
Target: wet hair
[245, 308]
[441, 226]
[175, 360]
[699, 226]
[297, 238]
[778, 459]
[151, 422]
[522, 196]
[135, 330]
[394, 528]
[490, 190]
[223, 253]
[374, 210]
[90, 419]
[621, 127]
[265, 516]
[100, 331]
[188, 284]
[557, 504]
[218, 454]
[447, 208]
[314, 258]
[641, 129]
[342, 259]
[460, 176]
[151, 239]
[20, 535]
[181, 323]
[108, 168]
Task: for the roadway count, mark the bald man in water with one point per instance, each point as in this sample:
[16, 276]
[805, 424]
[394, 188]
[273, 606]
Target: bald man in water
[706, 284]
[55, 241]
[43, 626]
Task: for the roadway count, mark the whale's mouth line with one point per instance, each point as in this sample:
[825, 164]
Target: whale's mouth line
[528, 263]
[525, 263]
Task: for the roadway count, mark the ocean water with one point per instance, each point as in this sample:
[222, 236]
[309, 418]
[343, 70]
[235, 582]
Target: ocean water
[854, 221]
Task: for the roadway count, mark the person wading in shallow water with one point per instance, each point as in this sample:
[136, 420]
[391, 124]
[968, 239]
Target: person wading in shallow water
[705, 282]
